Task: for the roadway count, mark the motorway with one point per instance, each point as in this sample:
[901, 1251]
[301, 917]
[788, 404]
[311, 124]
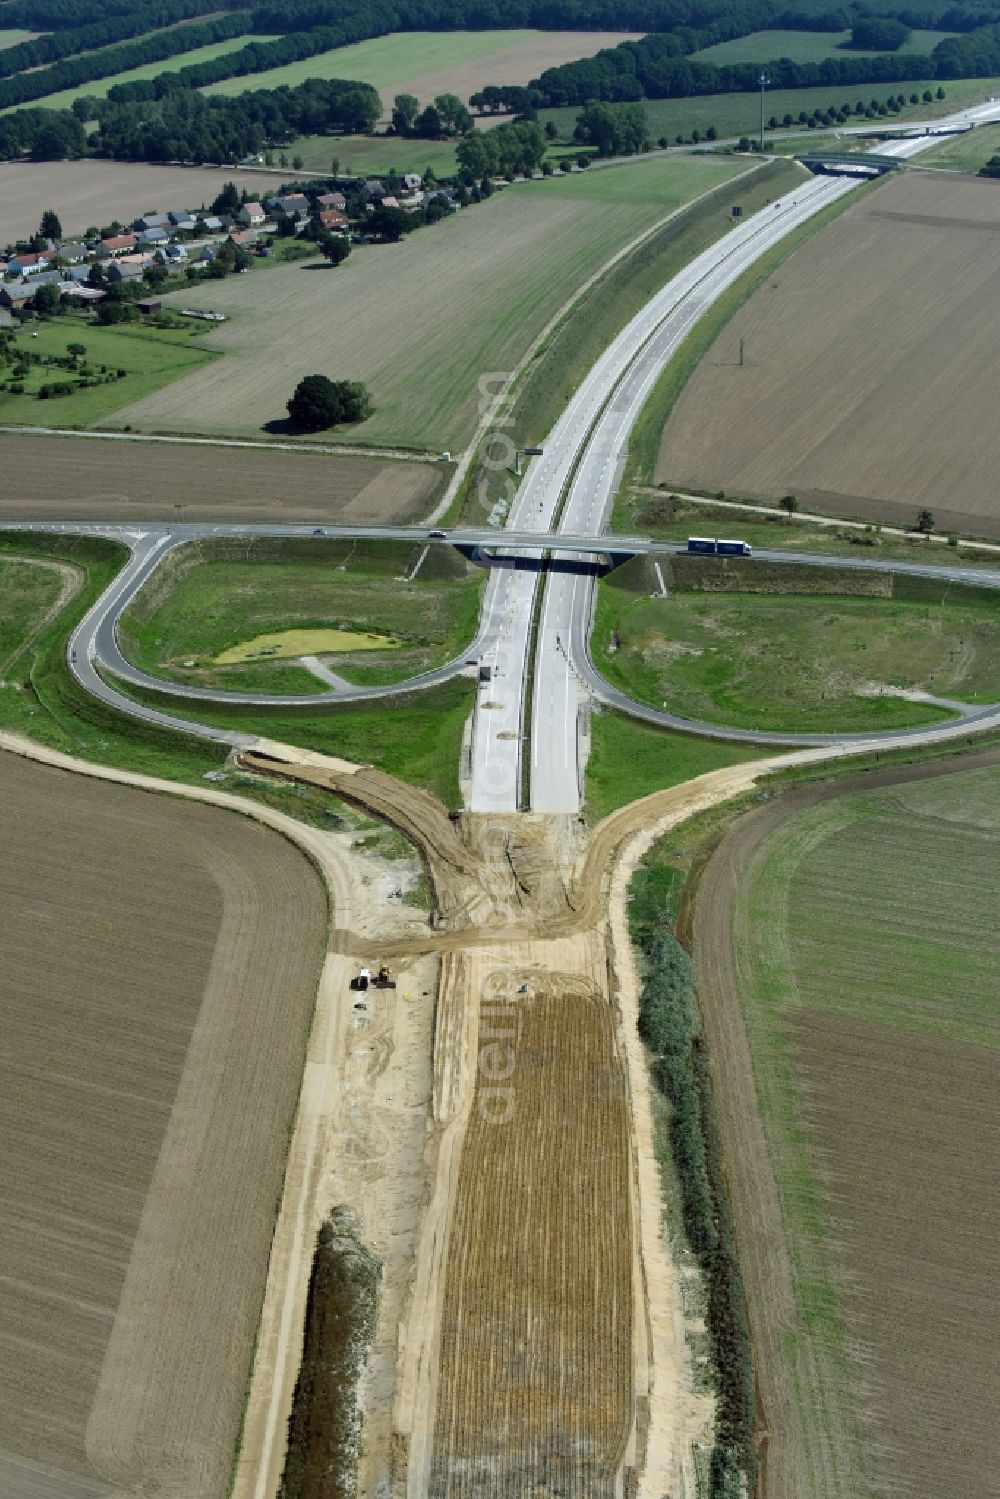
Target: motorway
[565, 497]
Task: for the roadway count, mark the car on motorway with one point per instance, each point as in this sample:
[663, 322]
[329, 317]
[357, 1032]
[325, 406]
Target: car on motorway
[437, 535]
[318, 531]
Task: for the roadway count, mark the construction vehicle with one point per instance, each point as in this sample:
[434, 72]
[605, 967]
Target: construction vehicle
[382, 979]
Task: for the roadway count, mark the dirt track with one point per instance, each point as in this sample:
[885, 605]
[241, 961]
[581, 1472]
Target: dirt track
[66, 478]
[762, 1250]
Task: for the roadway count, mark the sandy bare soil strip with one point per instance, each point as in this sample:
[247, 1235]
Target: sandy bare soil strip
[868, 375]
[65, 478]
[763, 1252]
[162, 965]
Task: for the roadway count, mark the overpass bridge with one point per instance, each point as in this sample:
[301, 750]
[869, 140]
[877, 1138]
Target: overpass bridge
[850, 163]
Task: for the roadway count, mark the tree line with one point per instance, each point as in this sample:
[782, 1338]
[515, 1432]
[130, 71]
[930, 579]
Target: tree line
[655, 68]
[159, 45]
[670, 1026]
[105, 29]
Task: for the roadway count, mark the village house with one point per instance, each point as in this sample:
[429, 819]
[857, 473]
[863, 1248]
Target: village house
[30, 264]
[154, 237]
[118, 244]
[412, 182]
[183, 222]
[129, 267]
[331, 200]
[210, 224]
[151, 221]
[171, 255]
[332, 219]
[73, 251]
[251, 214]
[292, 205]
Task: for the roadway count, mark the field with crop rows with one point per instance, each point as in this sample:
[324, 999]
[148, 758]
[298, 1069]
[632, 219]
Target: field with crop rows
[799, 657]
[86, 193]
[866, 954]
[421, 321]
[77, 478]
[160, 966]
[807, 46]
[867, 381]
[535, 1379]
[195, 610]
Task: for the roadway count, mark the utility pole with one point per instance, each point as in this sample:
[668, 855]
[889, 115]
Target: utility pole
[741, 352]
[763, 81]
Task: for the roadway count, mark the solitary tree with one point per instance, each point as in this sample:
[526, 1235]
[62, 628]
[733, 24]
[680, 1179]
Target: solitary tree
[925, 522]
[405, 109]
[789, 503]
[46, 299]
[50, 227]
[319, 402]
[228, 201]
[77, 351]
[333, 247]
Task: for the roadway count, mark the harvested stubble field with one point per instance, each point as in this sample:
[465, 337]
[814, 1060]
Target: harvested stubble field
[536, 1334]
[421, 321]
[160, 966]
[67, 478]
[854, 1037]
[867, 388]
[95, 192]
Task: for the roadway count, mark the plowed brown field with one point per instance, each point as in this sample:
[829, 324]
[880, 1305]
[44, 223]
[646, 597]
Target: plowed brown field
[855, 1062]
[535, 1387]
[160, 965]
[867, 387]
[85, 478]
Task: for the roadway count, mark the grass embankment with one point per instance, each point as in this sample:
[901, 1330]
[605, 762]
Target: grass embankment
[210, 598]
[121, 365]
[28, 593]
[739, 114]
[640, 511]
[600, 314]
[43, 702]
[688, 1141]
[644, 442]
[629, 759]
[417, 737]
[964, 153]
[324, 1429]
[802, 651]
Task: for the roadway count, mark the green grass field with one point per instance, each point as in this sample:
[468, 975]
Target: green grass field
[372, 155]
[151, 358]
[214, 605]
[42, 702]
[423, 321]
[798, 661]
[737, 114]
[964, 153]
[99, 87]
[805, 46]
[386, 62]
[629, 759]
[28, 593]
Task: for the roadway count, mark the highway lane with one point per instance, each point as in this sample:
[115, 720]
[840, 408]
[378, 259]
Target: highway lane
[564, 673]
